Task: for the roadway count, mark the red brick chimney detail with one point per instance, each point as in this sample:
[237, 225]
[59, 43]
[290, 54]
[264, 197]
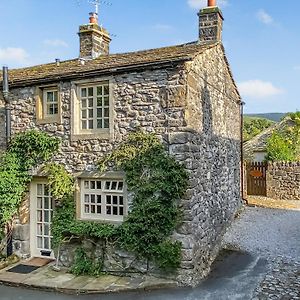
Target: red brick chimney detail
[212, 3]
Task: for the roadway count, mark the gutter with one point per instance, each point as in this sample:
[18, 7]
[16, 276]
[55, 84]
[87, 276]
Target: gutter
[9, 247]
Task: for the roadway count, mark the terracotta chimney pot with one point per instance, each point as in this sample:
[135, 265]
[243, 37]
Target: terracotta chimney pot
[93, 18]
[212, 3]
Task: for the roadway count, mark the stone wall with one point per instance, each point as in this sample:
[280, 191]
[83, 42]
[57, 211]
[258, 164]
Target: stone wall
[194, 109]
[210, 148]
[283, 181]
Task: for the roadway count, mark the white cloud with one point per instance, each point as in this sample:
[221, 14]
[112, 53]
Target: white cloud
[15, 56]
[162, 27]
[258, 89]
[264, 17]
[55, 43]
[203, 3]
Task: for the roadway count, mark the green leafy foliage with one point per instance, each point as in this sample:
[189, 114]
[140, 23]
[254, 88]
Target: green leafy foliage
[157, 182]
[254, 126]
[26, 150]
[284, 145]
[83, 265]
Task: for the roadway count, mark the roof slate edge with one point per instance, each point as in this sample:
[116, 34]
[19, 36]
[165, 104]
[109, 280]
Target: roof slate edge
[103, 72]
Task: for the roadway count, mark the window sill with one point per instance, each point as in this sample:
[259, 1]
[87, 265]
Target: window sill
[104, 135]
[49, 120]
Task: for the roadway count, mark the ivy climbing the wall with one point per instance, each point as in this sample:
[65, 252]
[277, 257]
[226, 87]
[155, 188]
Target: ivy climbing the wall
[26, 151]
[156, 181]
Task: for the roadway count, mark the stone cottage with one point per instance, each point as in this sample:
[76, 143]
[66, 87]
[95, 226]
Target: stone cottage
[185, 94]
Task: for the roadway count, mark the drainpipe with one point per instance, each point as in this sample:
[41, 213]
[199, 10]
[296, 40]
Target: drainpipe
[7, 104]
[9, 247]
[242, 151]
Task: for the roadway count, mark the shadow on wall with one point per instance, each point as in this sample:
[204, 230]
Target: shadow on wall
[214, 195]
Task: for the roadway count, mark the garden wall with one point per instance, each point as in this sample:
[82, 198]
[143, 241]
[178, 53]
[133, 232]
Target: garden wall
[283, 181]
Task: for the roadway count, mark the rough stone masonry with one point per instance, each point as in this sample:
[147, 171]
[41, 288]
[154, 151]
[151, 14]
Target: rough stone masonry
[192, 104]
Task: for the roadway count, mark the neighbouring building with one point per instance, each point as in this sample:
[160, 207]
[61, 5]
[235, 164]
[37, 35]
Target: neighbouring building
[184, 94]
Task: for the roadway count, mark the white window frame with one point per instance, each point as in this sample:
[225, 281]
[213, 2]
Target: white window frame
[46, 103]
[113, 200]
[42, 116]
[79, 133]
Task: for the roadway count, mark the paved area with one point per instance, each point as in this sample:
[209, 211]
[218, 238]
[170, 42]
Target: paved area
[272, 234]
[260, 201]
[234, 277]
[46, 278]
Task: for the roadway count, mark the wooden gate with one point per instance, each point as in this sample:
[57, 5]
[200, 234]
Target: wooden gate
[256, 178]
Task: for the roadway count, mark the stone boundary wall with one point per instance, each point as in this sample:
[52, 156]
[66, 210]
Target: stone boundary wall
[283, 181]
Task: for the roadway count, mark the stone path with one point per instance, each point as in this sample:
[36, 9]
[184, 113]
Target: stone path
[272, 234]
[45, 278]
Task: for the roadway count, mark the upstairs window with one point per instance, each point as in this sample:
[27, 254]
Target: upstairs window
[48, 105]
[94, 106]
[50, 98]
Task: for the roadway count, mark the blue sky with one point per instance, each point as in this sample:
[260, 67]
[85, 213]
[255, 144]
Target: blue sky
[261, 38]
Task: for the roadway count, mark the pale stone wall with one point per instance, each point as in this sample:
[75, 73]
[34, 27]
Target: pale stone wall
[194, 109]
[210, 148]
[283, 181]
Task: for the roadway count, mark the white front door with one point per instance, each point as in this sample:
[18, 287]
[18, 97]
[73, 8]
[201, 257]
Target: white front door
[41, 214]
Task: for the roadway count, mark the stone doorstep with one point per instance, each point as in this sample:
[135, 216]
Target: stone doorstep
[47, 279]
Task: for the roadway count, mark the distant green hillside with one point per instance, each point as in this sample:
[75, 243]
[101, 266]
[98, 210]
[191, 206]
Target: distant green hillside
[276, 117]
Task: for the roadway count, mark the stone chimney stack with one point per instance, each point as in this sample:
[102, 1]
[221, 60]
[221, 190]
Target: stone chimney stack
[94, 40]
[210, 23]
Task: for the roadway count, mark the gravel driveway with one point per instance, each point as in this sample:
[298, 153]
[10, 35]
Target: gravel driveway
[266, 232]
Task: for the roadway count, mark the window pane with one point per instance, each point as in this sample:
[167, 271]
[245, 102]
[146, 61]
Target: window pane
[98, 209]
[107, 185]
[84, 114]
[39, 202]
[46, 216]
[84, 124]
[86, 184]
[99, 90]
[50, 97]
[86, 209]
[93, 198]
[93, 209]
[40, 189]
[114, 185]
[83, 92]
[87, 198]
[115, 210]
[91, 124]
[55, 109]
[106, 112]
[83, 103]
[39, 229]
[108, 199]
[98, 199]
[46, 243]
[91, 113]
[115, 199]
[91, 91]
[39, 216]
[46, 190]
[106, 90]
[99, 123]
[46, 203]
[91, 102]
[121, 211]
[120, 186]
[40, 242]
[121, 200]
[106, 101]
[55, 96]
[98, 185]
[46, 229]
[99, 112]
[99, 102]
[106, 123]
[108, 210]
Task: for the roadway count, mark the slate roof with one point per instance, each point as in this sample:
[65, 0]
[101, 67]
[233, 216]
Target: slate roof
[259, 142]
[106, 64]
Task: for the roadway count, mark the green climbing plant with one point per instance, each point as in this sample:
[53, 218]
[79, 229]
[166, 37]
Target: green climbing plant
[156, 181]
